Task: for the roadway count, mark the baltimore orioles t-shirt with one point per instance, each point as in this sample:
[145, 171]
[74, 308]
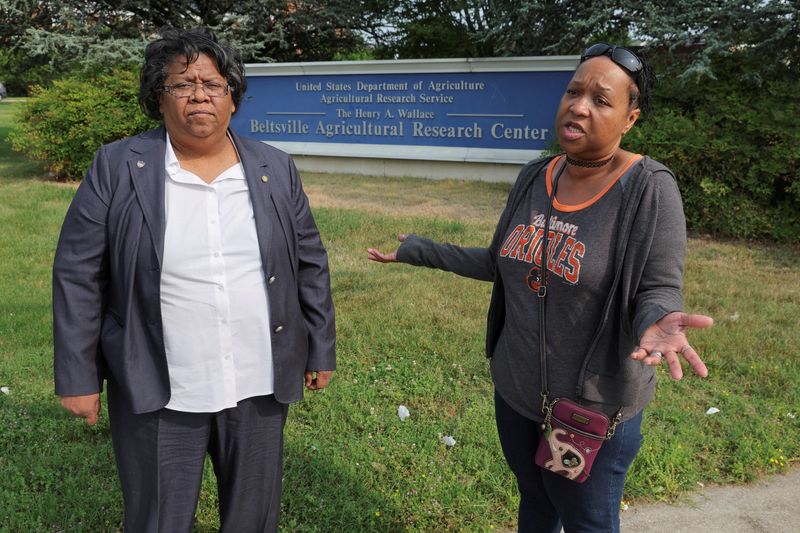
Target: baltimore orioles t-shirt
[580, 261]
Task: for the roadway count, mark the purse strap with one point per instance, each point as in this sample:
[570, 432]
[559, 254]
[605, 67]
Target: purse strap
[547, 406]
[542, 293]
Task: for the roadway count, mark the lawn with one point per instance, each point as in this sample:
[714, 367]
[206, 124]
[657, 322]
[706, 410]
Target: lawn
[405, 336]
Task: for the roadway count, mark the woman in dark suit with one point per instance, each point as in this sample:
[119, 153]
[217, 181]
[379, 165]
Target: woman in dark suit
[190, 276]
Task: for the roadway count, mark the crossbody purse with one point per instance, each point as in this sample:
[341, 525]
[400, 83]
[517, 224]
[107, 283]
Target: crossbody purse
[571, 433]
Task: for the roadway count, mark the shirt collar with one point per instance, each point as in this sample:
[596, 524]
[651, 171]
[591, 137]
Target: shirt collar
[171, 162]
[176, 172]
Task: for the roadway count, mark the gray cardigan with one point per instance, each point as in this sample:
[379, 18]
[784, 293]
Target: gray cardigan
[649, 258]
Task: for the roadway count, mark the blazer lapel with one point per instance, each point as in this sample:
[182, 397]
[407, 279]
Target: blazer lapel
[257, 174]
[146, 166]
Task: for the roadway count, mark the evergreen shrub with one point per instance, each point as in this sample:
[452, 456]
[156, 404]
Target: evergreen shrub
[63, 125]
[734, 145]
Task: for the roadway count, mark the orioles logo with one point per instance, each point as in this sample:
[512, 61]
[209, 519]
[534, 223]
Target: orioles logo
[534, 280]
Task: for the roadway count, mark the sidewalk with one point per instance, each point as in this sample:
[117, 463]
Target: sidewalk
[769, 505]
[766, 506]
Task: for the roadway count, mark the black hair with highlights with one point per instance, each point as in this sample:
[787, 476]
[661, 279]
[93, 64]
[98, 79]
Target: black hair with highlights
[641, 90]
[188, 45]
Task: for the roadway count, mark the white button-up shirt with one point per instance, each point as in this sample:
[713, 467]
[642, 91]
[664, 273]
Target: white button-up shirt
[213, 292]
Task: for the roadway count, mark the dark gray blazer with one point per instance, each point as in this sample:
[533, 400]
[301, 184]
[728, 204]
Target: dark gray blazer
[107, 272]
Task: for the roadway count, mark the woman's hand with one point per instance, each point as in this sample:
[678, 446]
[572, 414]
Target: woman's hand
[667, 338]
[380, 257]
[86, 406]
[317, 380]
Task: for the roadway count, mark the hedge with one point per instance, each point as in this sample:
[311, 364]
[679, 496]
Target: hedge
[733, 143]
[64, 125]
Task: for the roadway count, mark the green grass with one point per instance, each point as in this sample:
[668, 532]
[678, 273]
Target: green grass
[405, 336]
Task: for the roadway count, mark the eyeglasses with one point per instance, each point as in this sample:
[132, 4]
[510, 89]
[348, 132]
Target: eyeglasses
[618, 54]
[183, 90]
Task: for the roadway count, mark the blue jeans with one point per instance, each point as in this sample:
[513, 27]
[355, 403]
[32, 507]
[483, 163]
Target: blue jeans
[549, 501]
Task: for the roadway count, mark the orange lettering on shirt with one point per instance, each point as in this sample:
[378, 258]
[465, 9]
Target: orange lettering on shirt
[533, 245]
[558, 268]
[573, 273]
[518, 252]
[511, 240]
[553, 240]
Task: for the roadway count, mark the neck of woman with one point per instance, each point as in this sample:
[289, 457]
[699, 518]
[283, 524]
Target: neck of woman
[581, 182]
[573, 161]
[213, 147]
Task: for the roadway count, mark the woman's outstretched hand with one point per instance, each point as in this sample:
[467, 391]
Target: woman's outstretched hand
[380, 257]
[665, 339]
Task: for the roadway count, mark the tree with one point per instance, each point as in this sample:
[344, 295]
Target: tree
[46, 39]
[277, 30]
[727, 101]
[43, 40]
[555, 27]
[430, 28]
[688, 34]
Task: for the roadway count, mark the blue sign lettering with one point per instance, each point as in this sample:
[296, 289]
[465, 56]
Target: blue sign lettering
[496, 110]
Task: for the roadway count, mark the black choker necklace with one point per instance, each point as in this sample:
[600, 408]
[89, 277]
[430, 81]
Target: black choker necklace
[588, 164]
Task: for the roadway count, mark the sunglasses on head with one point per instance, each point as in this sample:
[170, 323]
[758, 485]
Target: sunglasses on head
[619, 55]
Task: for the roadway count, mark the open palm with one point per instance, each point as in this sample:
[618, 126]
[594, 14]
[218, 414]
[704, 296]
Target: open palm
[668, 338]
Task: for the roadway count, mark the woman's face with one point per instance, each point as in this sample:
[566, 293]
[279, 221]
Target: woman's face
[198, 115]
[595, 110]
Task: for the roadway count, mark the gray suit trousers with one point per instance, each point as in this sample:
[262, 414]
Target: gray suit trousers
[160, 458]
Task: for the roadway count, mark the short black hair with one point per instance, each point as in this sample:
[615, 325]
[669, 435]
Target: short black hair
[189, 44]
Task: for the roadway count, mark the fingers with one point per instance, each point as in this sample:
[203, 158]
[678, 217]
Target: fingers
[696, 321]
[674, 364]
[651, 357]
[639, 354]
[654, 358]
[85, 406]
[373, 254]
[323, 377]
[694, 360]
[671, 357]
[380, 257]
[317, 380]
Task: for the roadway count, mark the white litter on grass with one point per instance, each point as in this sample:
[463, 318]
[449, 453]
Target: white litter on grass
[403, 413]
[712, 411]
[788, 415]
[5, 390]
[448, 440]
[734, 316]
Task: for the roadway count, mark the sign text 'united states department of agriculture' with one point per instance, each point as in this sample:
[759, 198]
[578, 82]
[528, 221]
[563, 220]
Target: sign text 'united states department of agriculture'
[498, 110]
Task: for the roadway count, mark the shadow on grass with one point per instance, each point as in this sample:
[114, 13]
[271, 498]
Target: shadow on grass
[320, 497]
[59, 475]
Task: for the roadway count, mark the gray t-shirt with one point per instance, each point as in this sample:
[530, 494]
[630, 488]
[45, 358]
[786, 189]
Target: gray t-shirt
[581, 245]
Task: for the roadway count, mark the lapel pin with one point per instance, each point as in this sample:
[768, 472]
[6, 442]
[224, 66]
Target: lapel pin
[265, 178]
[140, 164]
